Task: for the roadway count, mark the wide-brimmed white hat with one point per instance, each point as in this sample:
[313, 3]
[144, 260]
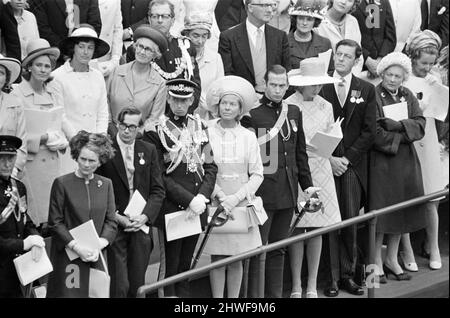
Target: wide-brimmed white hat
[12, 65]
[85, 31]
[312, 71]
[309, 8]
[395, 58]
[230, 85]
[38, 47]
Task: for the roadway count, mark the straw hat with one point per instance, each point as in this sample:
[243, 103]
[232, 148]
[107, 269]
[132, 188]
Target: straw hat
[146, 31]
[12, 65]
[231, 85]
[38, 47]
[309, 8]
[85, 31]
[312, 71]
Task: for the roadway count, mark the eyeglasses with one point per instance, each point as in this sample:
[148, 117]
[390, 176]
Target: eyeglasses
[162, 16]
[265, 5]
[131, 128]
[146, 49]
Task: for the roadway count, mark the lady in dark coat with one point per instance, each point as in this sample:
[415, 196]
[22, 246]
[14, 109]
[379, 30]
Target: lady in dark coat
[75, 199]
[395, 172]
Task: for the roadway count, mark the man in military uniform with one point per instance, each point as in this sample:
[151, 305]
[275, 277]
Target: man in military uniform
[179, 59]
[17, 232]
[279, 129]
[189, 176]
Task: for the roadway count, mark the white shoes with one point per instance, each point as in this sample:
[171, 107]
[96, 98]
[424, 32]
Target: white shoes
[411, 267]
[312, 294]
[435, 265]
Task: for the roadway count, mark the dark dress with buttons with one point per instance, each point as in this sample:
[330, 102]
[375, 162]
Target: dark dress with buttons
[12, 233]
[181, 187]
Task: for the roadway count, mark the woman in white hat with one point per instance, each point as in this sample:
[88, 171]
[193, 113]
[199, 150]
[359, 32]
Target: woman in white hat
[45, 144]
[317, 117]
[237, 155]
[12, 118]
[197, 27]
[395, 171]
[303, 41]
[423, 49]
[82, 88]
[137, 83]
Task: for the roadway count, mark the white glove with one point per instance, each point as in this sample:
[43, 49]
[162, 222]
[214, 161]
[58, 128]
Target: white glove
[33, 240]
[56, 141]
[229, 202]
[311, 190]
[198, 204]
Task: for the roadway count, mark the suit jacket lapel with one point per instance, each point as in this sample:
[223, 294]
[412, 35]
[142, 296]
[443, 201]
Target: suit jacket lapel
[354, 86]
[119, 164]
[270, 45]
[243, 45]
[137, 165]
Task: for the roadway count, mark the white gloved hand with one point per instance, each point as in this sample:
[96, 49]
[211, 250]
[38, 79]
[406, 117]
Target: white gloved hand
[56, 141]
[33, 240]
[230, 202]
[106, 67]
[198, 204]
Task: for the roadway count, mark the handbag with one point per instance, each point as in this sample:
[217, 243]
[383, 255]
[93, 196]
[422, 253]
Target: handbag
[99, 281]
[256, 210]
[239, 225]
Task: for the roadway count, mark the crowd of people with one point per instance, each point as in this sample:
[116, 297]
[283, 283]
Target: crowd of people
[198, 105]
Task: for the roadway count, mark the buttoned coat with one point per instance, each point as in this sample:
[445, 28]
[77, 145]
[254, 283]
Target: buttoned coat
[237, 60]
[285, 162]
[72, 203]
[150, 99]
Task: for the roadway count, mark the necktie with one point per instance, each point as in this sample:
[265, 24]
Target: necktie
[70, 21]
[342, 91]
[425, 17]
[259, 39]
[129, 165]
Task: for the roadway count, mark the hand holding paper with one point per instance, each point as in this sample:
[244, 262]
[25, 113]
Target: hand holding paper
[134, 209]
[326, 142]
[178, 226]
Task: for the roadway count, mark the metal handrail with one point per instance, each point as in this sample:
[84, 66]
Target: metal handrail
[370, 216]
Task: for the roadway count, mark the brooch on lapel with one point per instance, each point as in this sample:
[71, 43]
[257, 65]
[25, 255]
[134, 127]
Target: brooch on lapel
[8, 191]
[141, 158]
[356, 97]
[99, 183]
[402, 99]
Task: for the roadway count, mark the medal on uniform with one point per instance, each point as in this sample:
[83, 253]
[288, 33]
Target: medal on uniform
[294, 125]
[141, 158]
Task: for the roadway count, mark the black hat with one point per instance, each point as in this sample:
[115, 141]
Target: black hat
[146, 31]
[181, 88]
[9, 144]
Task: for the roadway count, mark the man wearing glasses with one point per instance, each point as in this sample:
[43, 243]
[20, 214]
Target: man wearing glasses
[134, 168]
[252, 46]
[179, 59]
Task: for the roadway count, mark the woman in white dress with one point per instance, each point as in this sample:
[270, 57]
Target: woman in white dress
[317, 116]
[237, 155]
[423, 49]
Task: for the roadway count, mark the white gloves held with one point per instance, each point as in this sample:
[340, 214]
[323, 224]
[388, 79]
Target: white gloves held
[198, 204]
[33, 240]
[56, 141]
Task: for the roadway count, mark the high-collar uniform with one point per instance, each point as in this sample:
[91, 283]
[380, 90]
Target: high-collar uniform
[182, 185]
[286, 166]
[12, 234]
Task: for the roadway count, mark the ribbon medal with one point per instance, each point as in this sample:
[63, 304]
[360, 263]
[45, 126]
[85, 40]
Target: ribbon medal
[141, 158]
[294, 125]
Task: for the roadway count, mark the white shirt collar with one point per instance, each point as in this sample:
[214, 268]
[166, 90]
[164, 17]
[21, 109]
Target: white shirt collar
[123, 145]
[251, 28]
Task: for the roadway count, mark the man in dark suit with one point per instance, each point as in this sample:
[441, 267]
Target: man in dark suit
[378, 37]
[285, 162]
[250, 48]
[133, 11]
[354, 100]
[135, 167]
[229, 13]
[189, 177]
[435, 18]
[8, 28]
[53, 20]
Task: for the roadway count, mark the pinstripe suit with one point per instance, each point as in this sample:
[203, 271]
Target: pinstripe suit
[359, 129]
